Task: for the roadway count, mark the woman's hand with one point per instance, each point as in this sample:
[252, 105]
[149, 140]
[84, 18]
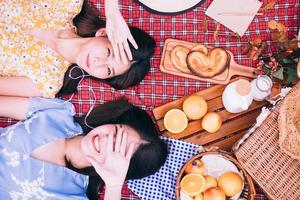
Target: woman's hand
[118, 32]
[113, 169]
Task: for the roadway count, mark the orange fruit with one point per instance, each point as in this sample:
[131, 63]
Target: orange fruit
[231, 183]
[195, 107]
[214, 193]
[175, 121]
[211, 122]
[192, 184]
[210, 182]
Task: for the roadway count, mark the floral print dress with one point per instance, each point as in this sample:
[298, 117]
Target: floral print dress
[23, 55]
[24, 177]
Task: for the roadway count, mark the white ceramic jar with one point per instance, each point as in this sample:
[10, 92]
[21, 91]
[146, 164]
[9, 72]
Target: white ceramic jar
[237, 96]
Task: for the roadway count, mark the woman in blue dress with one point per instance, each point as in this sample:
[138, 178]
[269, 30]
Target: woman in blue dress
[51, 154]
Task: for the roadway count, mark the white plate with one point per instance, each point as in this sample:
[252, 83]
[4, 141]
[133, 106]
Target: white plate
[169, 6]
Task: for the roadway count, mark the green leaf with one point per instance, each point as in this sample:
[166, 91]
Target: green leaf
[278, 74]
[292, 75]
[287, 61]
[267, 71]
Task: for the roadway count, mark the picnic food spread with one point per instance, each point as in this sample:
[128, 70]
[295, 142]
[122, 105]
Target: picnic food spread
[211, 177]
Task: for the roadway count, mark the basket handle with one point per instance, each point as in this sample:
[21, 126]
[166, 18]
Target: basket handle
[207, 149]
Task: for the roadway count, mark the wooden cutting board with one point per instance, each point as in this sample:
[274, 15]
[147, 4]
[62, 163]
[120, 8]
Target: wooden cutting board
[223, 78]
[233, 127]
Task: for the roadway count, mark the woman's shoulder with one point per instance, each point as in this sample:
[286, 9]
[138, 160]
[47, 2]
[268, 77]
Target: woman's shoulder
[48, 14]
[56, 105]
[62, 12]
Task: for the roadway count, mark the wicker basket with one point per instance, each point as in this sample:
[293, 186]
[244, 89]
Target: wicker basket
[276, 172]
[248, 190]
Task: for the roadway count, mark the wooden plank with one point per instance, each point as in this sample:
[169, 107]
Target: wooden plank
[194, 126]
[230, 127]
[227, 143]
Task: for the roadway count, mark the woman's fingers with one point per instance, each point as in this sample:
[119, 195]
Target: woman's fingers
[110, 143]
[116, 51]
[123, 143]
[127, 50]
[118, 140]
[122, 53]
[132, 41]
[94, 163]
[121, 48]
[131, 149]
[92, 160]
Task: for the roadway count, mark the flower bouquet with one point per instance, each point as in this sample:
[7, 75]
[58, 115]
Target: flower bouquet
[281, 65]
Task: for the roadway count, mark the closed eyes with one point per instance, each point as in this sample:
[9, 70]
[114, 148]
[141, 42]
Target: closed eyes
[108, 71]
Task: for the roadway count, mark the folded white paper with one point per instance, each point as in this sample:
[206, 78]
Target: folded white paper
[234, 14]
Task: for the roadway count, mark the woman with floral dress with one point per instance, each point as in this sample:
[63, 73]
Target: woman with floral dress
[42, 40]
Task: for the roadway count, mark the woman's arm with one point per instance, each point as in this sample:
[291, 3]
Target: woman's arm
[14, 107]
[113, 192]
[18, 86]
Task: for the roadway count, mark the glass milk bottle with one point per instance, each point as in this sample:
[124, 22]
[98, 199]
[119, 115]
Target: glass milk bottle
[261, 87]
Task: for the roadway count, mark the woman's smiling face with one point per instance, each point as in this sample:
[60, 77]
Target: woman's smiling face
[94, 142]
[96, 57]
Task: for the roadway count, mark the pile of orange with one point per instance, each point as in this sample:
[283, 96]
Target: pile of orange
[194, 107]
[197, 185]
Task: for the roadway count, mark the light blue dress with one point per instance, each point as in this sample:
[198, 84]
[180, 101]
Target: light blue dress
[26, 178]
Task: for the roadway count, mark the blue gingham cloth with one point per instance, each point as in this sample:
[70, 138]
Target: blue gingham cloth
[161, 185]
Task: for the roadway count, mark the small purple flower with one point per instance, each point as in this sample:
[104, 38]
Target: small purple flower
[271, 64]
[273, 59]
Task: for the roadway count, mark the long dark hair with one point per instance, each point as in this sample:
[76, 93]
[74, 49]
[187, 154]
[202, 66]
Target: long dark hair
[147, 159]
[88, 23]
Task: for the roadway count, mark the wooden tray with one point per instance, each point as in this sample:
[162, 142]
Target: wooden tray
[233, 127]
[223, 78]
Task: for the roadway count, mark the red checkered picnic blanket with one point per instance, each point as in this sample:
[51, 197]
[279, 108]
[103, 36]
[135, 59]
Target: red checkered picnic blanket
[158, 88]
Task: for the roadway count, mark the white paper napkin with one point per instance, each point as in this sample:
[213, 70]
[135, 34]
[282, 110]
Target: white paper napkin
[237, 23]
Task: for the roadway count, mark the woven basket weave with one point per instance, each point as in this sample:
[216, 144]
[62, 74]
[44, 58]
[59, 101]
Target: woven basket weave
[248, 190]
[276, 172]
